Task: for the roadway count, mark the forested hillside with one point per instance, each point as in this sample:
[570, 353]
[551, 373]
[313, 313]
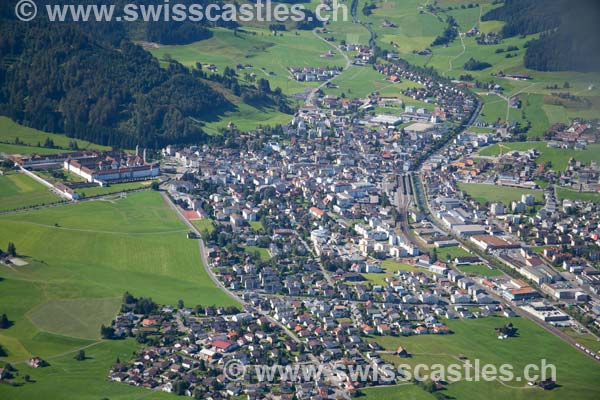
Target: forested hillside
[569, 32]
[58, 78]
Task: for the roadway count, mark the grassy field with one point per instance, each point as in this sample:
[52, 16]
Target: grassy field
[484, 193]
[262, 252]
[269, 55]
[453, 252]
[256, 226]
[417, 29]
[480, 270]
[563, 193]
[586, 339]
[113, 188]
[494, 108]
[558, 157]
[391, 267]
[476, 339]
[82, 258]
[205, 224]
[407, 392]
[10, 130]
[75, 318]
[68, 379]
[18, 190]
[26, 150]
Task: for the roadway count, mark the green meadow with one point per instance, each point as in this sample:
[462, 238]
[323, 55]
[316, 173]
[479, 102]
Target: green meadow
[558, 157]
[417, 28]
[19, 190]
[476, 339]
[262, 252]
[205, 224]
[480, 270]
[486, 193]
[564, 193]
[81, 259]
[452, 252]
[113, 188]
[269, 55]
[405, 391]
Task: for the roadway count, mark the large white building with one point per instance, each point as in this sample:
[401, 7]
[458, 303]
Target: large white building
[107, 169]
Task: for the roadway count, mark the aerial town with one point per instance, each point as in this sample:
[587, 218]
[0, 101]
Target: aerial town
[321, 209]
[329, 241]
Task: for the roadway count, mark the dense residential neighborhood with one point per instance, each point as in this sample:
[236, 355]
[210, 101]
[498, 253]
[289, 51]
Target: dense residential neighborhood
[401, 201]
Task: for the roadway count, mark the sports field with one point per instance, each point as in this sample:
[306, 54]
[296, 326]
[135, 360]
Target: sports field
[18, 190]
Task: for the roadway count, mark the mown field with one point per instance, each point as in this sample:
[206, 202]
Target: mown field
[476, 339]
[406, 391]
[113, 188]
[19, 190]
[564, 193]
[480, 270]
[82, 258]
[485, 193]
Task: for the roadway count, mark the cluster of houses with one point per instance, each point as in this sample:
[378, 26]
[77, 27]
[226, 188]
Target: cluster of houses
[313, 74]
[553, 244]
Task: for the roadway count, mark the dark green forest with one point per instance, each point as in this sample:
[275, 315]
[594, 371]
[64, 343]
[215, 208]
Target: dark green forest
[569, 32]
[57, 78]
[91, 82]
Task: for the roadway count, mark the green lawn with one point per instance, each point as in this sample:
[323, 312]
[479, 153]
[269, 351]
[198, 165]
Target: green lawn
[270, 56]
[82, 258]
[77, 318]
[486, 193]
[26, 150]
[494, 109]
[406, 391]
[558, 157]
[256, 226]
[564, 193]
[453, 252]
[480, 270]
[476, 339]
[205, 224]
[19, 190]
[69, 379]
[262, 252]
[113, 188]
